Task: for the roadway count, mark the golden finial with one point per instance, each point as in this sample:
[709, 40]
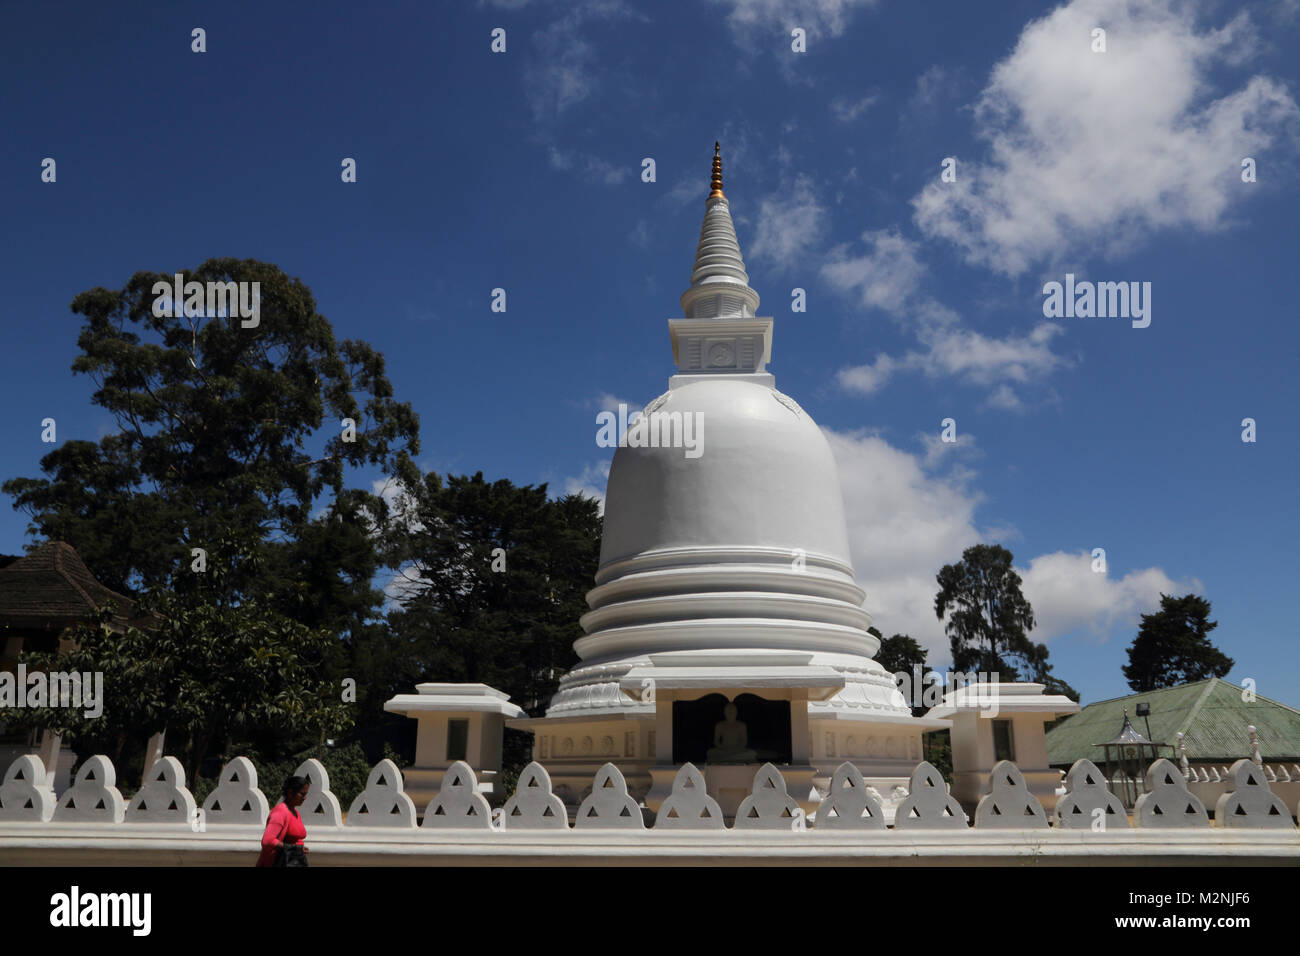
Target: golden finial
[715, 182]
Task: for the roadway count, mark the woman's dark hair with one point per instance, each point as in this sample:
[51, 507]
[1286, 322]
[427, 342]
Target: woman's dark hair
[293, 785]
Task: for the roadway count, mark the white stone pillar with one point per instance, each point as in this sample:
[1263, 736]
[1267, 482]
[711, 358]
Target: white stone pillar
[51, 743]
[664, 729]
[153, 752]
[800, 740]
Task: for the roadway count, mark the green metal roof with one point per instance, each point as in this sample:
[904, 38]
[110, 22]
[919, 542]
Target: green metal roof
[1210, 712]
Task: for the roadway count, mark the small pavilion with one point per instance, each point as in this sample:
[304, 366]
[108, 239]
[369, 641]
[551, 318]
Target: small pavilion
[42, 596]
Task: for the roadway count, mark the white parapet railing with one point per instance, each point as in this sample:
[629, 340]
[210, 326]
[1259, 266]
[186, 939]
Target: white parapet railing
[91, 824]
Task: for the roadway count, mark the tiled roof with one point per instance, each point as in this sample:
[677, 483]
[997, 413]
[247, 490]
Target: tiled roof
[51, 586]
[1211, 713]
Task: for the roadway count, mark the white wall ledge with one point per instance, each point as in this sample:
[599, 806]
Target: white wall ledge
[37, 844]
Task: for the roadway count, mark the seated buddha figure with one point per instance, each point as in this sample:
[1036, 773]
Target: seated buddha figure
[730, 740]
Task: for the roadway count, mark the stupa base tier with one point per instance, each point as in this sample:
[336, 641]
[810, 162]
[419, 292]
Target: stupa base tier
[573, 748]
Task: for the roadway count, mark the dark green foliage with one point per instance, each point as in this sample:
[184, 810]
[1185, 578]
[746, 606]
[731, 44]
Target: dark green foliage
[1173, 647]
[215, 425]
[230, 439]
[512, 627]
[902, 654]
[504, 786]
[989, 618]
[207, 671]
[936, 747]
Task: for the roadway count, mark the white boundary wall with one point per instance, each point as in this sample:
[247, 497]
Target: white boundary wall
[150, 833]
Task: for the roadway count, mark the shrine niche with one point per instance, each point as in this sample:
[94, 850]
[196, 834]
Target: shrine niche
[713, 730]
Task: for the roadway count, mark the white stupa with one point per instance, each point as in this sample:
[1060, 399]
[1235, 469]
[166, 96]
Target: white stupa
[725, 578]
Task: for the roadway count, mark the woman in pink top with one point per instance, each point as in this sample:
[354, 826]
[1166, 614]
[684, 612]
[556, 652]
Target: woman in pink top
[285, 828]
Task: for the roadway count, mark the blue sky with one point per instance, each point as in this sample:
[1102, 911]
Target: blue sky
[522, 170]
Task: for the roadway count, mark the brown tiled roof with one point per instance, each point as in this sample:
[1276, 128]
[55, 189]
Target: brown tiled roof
[52, 587]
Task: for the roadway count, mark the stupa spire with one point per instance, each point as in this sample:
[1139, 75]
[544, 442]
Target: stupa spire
[719, 284]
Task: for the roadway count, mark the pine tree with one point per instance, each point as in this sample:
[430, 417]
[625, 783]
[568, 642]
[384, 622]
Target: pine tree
[1172, 646]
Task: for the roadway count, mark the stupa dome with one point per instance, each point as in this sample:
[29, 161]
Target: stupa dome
[742, 546]
[764, 478]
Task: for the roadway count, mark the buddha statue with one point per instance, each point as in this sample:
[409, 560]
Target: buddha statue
[730, 740]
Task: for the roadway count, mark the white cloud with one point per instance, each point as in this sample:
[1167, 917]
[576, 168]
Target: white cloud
[929, 86]
[400, 584]
[1068, 596]
[593, 168]
[886, 276]
[608, 402]
[1005, 398]
[789, 223]
[969, 357]
[846, 110]
[1096, 151]
[640, 235]
[904, 525]
[562, 72]
[688, 189]
[398, 498]
[562, 75]
[869, 378]
[937, 450]
[590, 482]
[818, 17]
[981, 360]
